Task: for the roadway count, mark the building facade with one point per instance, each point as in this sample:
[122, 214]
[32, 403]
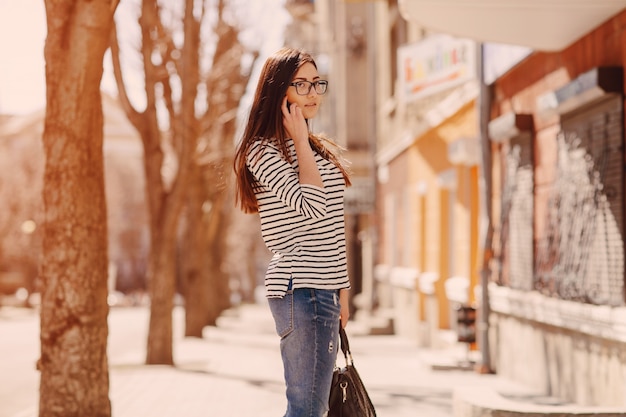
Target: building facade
[554, 126]
[428, 184]
[403, 103]
[510, 182]
[557, 138]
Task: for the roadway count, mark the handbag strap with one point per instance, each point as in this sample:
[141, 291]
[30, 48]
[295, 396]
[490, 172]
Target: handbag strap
[345, 345]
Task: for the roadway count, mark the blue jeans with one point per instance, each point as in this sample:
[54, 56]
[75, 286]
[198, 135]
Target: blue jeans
[307, 321]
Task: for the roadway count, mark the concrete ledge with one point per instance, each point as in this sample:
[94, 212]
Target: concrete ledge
[595, 320]
[487, 402]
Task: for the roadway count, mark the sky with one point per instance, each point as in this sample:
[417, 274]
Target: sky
[22, 38]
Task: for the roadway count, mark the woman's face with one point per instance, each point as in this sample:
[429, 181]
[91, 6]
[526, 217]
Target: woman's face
[308, 103]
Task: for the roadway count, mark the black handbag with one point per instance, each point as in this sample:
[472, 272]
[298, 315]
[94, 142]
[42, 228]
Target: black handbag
[348, 396]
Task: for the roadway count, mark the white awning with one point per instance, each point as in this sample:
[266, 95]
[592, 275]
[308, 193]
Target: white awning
[548, 25]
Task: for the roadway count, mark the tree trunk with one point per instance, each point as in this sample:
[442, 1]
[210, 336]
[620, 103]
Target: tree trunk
[162, 278]
[166, 196]
[225, 87]
[216, 246]
[207, 289]
[207, 283]
[73, 364]
[197, 287]
[163, 253]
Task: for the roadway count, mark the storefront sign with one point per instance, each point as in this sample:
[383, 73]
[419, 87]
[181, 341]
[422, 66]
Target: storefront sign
[434, 64]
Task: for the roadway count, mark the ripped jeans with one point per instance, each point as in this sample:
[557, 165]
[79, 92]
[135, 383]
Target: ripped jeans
[307, 320]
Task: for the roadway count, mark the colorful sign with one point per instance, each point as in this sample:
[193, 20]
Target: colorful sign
[434, 64]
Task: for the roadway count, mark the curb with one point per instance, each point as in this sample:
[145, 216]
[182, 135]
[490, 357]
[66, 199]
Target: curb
[487, 402]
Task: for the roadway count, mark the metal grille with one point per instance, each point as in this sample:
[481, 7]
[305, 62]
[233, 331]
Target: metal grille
[582, 256]
[516, 236]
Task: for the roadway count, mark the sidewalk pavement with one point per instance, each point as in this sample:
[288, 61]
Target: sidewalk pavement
[236, 370]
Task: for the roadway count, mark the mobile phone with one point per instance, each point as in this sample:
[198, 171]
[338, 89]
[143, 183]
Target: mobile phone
[288, 106]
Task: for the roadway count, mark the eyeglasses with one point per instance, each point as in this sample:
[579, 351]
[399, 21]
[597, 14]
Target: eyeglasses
[304, 87]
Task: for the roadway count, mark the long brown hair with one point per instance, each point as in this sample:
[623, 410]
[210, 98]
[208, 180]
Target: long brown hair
[265, 122]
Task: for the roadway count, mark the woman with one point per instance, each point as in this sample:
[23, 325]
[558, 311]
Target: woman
[296, 184]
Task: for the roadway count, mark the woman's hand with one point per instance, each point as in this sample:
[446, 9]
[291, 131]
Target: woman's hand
[294, 123]
[344, 302]
[297, 129]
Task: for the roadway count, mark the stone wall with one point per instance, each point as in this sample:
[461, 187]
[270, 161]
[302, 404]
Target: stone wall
[565, 349]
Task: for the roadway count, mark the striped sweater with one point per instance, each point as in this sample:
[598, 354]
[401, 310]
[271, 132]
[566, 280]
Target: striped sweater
[303, 225]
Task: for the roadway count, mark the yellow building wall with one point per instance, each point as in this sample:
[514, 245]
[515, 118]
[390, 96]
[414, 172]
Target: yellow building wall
[428, 159]
[418, 211]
